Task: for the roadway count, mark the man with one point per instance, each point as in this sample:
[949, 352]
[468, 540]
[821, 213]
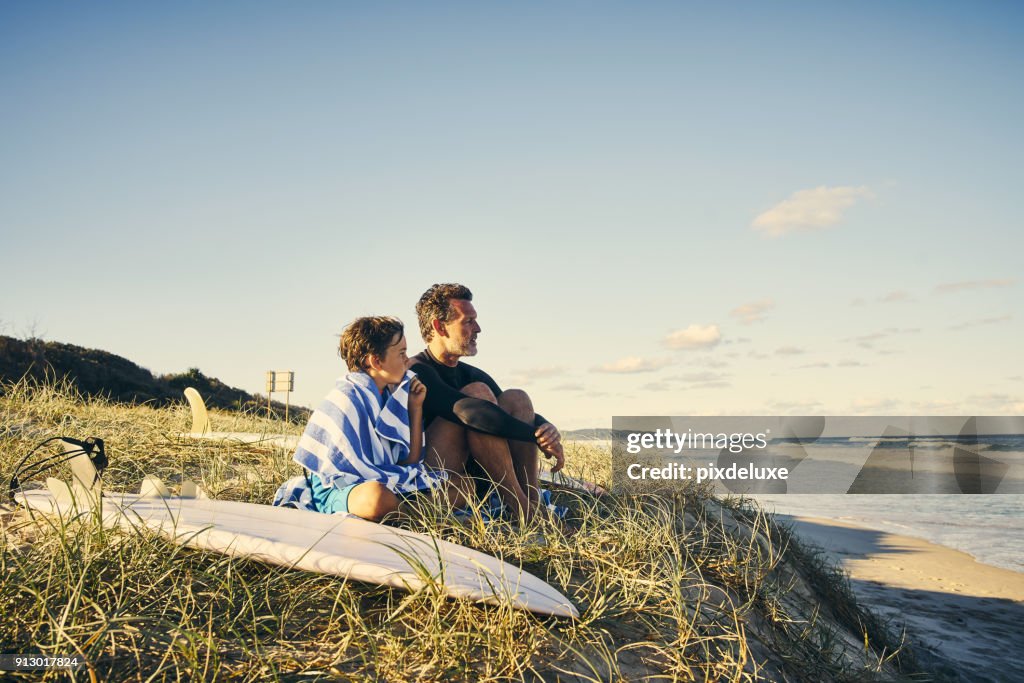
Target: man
[469, 420]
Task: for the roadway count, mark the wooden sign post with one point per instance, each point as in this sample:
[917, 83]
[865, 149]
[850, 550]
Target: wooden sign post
[280, 380]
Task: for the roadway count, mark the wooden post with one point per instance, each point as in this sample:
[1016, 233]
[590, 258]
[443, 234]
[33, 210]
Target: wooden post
[280, 380]
[270, 390]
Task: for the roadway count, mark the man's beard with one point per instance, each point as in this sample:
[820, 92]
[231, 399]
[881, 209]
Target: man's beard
[467, 348]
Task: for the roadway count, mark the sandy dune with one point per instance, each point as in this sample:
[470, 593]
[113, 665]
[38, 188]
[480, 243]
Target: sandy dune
[969, 614]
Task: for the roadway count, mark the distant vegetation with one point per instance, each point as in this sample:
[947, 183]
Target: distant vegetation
[96, 373]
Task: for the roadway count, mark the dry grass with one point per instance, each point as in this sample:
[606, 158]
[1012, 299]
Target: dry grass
[678, 588]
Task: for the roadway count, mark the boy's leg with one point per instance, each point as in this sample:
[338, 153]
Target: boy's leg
[372, 500]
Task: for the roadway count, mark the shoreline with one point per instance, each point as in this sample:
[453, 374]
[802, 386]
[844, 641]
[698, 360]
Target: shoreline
[962, 611]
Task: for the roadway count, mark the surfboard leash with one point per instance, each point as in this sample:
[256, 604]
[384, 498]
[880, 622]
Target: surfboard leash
[25, 470]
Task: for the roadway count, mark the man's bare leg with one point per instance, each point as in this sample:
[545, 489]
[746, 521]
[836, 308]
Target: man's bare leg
[525, 456]
[450, 445]
[497, 457]
[447, 449]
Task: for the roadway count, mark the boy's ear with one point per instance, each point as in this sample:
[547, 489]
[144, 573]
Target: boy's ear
[439, 327]
[372, 361]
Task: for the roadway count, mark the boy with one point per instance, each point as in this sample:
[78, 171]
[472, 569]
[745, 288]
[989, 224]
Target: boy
[363, 445]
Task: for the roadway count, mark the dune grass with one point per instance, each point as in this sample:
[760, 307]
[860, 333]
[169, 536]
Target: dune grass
[680, 588]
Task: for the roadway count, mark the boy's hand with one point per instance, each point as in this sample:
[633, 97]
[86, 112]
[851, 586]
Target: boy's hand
[417, 392]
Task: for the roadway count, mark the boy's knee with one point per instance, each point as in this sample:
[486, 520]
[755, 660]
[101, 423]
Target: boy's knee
[516, 402]
[479, 390]
[372, 500]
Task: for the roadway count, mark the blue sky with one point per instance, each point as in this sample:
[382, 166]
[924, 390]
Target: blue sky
[820, 201]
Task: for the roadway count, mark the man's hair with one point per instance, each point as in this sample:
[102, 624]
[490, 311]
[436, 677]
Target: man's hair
[436, 303]
[365, 336]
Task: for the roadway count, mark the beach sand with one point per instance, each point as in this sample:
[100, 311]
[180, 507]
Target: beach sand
[969, 614]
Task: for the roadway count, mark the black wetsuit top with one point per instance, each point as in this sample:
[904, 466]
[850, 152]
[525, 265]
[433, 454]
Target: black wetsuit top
[445, 400]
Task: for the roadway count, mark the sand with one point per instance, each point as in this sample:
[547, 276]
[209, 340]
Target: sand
[969, 614]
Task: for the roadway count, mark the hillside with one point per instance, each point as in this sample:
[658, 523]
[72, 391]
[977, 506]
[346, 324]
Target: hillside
[684, 588]
[96, 373]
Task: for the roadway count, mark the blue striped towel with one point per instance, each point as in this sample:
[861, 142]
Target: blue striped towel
[352, 438]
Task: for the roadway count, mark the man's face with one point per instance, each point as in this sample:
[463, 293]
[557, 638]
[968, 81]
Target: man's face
[462, 329]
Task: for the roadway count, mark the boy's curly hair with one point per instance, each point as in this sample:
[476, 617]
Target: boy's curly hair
[436, 303]
[365, 336]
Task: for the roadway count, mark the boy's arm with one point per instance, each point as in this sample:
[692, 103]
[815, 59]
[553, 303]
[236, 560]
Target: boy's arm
[417, 392]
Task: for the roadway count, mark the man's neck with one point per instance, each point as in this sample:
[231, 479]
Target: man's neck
[438, 353]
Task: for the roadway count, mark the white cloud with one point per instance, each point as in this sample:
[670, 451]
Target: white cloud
[712, 385]
[794, 406]
[633, 364]
[992, 398]
[873, 406]
[569, 386]
[535, 373]
[820, 364]
[788, 351]
[752, 312]
[867, 341]
[948, 287]
[981, 321]
[936, 407]
[706, 376]
[894, 296]
[711, 363]
[694, 337]
[808, 210]
[542, 371]
[850, 364]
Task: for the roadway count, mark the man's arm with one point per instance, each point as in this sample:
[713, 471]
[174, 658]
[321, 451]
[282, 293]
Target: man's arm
[547, 436]
[476, 414]
[478, 375]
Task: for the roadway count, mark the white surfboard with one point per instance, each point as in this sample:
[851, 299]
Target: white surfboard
[286, 441]
[341, 545]
[201, 428]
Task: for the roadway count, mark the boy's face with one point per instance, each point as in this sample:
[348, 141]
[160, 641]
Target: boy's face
[391, 367]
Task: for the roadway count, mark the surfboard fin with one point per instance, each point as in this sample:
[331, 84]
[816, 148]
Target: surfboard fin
[200, 418]
[189, 489]
[85, 477]
[60, 489]
[152, 487]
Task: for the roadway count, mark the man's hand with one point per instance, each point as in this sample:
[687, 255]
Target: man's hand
[417, 392]
[550, 442]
